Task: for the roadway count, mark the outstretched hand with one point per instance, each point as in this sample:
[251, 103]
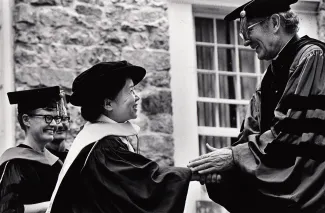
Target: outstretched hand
[218, 160]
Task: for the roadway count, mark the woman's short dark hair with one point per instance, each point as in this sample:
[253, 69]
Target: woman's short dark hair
[94, 108]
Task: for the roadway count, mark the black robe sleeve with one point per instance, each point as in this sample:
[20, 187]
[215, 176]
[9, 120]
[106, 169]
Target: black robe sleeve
[117, 180]
[283, 168]
[10, 186]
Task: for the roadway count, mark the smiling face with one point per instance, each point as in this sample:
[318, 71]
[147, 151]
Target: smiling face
[61, 132]
[37, 128]
[63, 127]
[124, 106]
[263, 39]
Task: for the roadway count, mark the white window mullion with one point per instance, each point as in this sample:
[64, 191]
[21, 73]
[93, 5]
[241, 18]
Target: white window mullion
[215, 33]
[218, 131]
[238, 90]
[223, 101]
[237, 71]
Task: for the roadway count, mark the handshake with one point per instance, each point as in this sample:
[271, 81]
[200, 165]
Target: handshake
[207, 168]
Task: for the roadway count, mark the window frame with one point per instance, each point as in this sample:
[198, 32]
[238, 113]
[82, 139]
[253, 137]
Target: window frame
[225, 131]
[7, 81]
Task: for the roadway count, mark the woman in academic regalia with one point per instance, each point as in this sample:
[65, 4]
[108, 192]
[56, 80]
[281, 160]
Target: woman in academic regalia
[29, 171]
[103, 172]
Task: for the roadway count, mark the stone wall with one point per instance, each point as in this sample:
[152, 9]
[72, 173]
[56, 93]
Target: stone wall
[321, 21]
[55, 40]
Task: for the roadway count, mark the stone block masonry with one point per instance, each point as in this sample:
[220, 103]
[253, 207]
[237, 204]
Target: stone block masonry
[55, 40]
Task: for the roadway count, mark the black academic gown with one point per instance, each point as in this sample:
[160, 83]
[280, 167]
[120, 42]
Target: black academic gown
[26, 178]
[106, 177]
[279, 157]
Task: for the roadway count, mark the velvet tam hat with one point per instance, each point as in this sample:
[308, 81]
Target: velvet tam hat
[92, 84]
[259, 8]
[34, 98]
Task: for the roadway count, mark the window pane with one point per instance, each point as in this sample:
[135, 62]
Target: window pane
[241, 110]
[240, 40]
[206, 114]
[264, 65]
[225, 32]
[207, 84]
[227, 115]
[217, 142]
[227, 87]
[204, 30]
[226, 59]
[205, 57]
[246, 61]
[248, 86]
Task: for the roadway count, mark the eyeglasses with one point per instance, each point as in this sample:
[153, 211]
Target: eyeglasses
[65, 119]
[245, 31]
[49, 118]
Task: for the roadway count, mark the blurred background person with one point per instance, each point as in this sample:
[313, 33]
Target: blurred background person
[57, 146]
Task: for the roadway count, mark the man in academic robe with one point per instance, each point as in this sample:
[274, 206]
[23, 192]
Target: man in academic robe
[28, 172]
[103, 172]
[277, 164]
[58, 146]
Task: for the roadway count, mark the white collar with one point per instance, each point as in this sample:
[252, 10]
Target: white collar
[105, 119]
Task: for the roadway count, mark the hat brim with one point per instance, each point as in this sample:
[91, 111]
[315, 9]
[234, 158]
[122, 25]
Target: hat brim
[235, 14]
[260, 8]
[136, 73]
[90, 94]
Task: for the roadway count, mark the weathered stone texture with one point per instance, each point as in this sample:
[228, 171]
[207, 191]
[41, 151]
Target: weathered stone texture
[88, 11]
[161, 123]
[40, 77]
[67, 3]
[158, 147]
[158, 79]
[55, 40]
[44, 2]
[321, 21]
[152, 60]
[54, 17]
[25, 13]
[157, 102]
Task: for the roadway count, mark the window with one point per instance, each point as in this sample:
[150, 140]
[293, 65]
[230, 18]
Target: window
[227, 76]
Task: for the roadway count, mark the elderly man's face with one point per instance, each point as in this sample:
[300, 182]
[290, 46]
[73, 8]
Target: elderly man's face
[261, 38]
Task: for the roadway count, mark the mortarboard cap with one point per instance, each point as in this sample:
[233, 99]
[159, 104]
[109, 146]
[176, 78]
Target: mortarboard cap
[260, 8]
[34, 98]
[93, 83]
